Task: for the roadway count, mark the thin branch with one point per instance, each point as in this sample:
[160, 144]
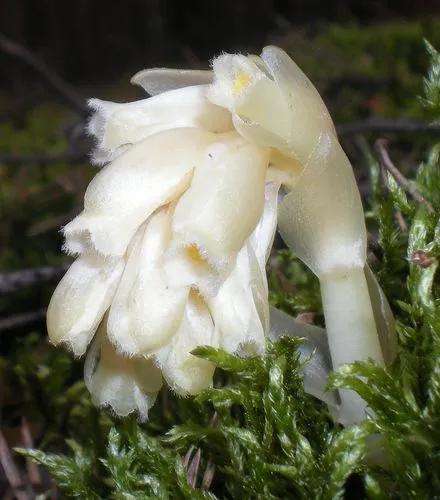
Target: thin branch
[72, 158]
[33, 471]
[20, 320]
[63, 89]
[14, 280]
[11, 471]
[385, 160]
[383, 125]
[208, 476]
[188, 456]
[384, 177]
[193, 468]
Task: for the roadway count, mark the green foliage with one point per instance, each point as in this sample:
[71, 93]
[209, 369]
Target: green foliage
[431, 84]
[291, 287]
[73, 475]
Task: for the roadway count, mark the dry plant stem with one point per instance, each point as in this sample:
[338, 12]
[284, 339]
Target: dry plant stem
[208, 476]
[18, 488]
[381, 148]
[193, 468]
[15, 280]
[33, 473]
[384, 173]
[383, 125]
[21, 319]
[347, 309]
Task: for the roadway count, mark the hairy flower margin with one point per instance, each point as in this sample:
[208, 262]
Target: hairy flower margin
[178, 225]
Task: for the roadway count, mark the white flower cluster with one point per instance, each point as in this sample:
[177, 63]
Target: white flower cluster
[178, 224]
[173, 240]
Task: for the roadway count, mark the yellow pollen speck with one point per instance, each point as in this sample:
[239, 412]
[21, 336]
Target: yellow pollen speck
[240, 82]
[193, 252]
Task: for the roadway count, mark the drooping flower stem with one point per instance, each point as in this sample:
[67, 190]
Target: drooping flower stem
[322, 221]
[351, 329]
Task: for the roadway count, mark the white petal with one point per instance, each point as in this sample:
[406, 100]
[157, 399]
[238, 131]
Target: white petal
[240, 308]
[158, 80]
[234, 74]
[263, 235]
[80, 301]
[147, 310]
[251, 95]
[185, 373]
[115, 125]
[273, 103]
[125, 193]
[187, 267]
[309, 116]
[225, 201]
[240, 324]
[124, 384]
[326, 231]
[283, 170]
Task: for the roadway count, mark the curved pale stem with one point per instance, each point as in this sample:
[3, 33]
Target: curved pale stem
[351, 329]
[322, 221]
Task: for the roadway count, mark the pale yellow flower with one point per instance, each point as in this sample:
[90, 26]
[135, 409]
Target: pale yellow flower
[178, 224]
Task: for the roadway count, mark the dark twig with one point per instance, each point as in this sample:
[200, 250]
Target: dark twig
[385, 160]
[188, 456]
[208, 476]
[22, 319]
[72, 158]
[14, 280]
[384, 174]
[193, 468]
[63, 89]
[11, 471]
[32, 469]
[383, 125]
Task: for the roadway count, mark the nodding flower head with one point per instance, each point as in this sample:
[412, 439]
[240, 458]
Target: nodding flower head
[171, 245]
[271, 100]
[178, 224]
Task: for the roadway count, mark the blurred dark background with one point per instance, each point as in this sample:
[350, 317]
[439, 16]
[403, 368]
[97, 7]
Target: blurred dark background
[367, 58]
[97, 39]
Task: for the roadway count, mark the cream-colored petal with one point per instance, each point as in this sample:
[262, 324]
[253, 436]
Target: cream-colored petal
[147, 309]
[115, 125]
[240, 325]
[321, 219]
[187, 267]
[309, 116]
[283, 169]
[123, 384]
[185, 373]
[125, 193]
[263, 235]
[158, 80]
[234, 76]
[225, 201]
[80, 301]
[272, 102]
[256, 102]
[240, 308]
